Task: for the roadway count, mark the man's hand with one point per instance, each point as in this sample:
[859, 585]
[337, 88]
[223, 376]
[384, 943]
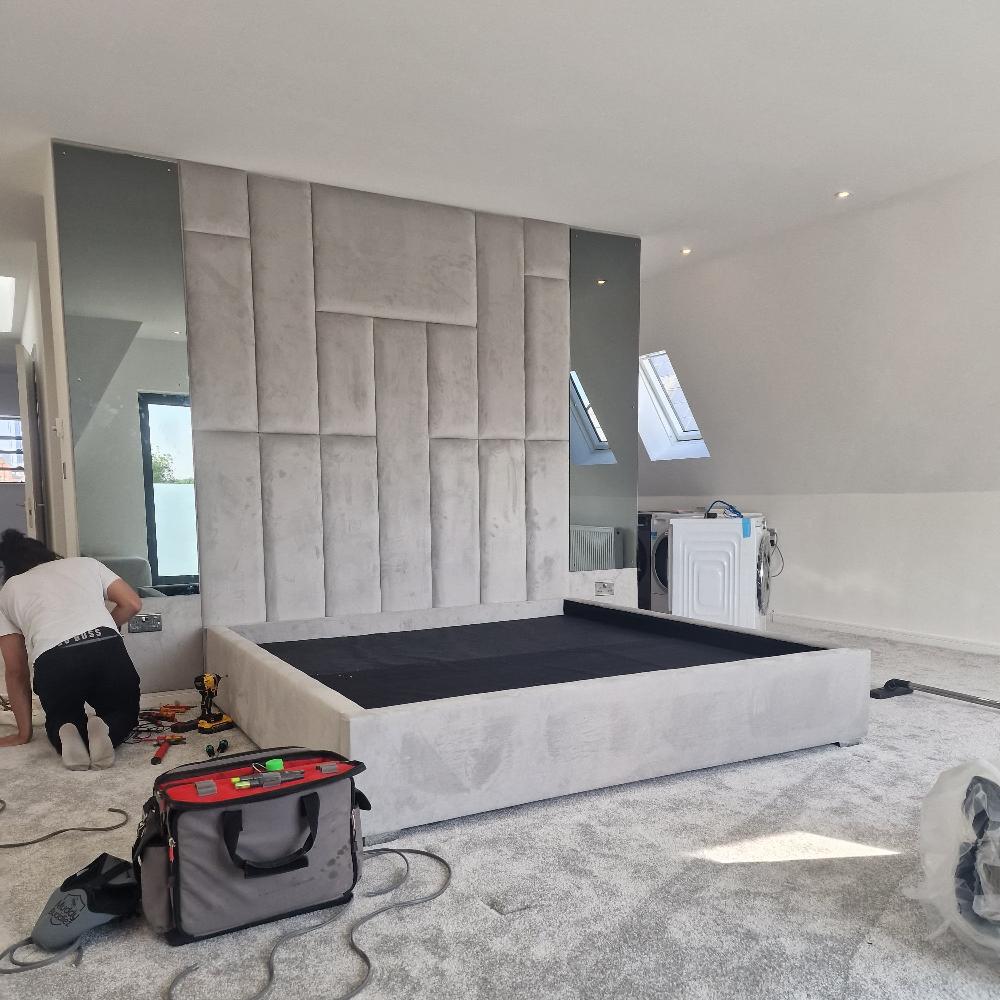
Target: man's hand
[14, 740]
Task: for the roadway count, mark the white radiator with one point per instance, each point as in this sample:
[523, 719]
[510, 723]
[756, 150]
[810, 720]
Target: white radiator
[594, 547]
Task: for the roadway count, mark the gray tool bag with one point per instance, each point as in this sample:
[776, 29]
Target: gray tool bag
[248, 838]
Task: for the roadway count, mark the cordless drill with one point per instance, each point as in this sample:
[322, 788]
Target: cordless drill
[210, 720]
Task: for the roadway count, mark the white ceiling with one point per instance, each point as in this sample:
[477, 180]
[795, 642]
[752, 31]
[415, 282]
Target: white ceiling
[705, 122]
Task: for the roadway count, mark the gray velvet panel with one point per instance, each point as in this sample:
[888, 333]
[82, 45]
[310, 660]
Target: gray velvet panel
[546, 500]
[546, 358]
[214, 200]
[403, 465]
[223, 371]
[284, 311]
[293, 526]
[230, 527]
[546, 249]
[502, 543]
[346, 374]
[454, 522]
[351, 525]
[397, 621]
[452, 382]
[391, 257]
[423, 491]
[500, 269]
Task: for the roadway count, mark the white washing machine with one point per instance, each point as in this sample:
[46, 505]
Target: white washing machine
[712, 569]
[659, 555]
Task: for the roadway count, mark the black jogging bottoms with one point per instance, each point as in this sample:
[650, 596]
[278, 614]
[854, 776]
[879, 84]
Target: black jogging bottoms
[95, 669]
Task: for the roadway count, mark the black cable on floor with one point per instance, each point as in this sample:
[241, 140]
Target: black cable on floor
[68, 829]
[21, 966]
[400, 852]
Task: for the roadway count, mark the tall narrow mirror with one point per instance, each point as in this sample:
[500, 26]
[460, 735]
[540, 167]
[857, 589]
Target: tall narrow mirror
[120, 252]
[603, 400]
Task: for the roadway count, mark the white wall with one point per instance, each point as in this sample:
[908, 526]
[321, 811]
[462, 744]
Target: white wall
[845, 377]
[108, 455]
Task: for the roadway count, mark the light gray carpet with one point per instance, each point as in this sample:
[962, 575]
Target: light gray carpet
[593, 896]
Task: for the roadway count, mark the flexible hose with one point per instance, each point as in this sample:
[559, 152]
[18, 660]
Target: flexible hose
[22, 966]
[68, 829]
[401, 853]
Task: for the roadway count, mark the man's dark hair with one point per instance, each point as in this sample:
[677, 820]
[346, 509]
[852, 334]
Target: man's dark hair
[19, 553]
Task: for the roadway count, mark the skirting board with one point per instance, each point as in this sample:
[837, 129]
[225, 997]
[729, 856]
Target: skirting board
[895, 634]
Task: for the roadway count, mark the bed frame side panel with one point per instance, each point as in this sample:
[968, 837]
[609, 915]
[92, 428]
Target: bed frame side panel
[271, 701]
[459, 756]
[397, 621]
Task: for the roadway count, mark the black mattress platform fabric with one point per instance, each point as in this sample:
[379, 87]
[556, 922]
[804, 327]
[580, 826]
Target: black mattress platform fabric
[585, 642]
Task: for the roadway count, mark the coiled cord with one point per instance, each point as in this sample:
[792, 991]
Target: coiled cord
[401, 853]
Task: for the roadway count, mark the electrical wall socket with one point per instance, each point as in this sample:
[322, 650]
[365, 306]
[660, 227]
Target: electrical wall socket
[604, 588]
[146, 623]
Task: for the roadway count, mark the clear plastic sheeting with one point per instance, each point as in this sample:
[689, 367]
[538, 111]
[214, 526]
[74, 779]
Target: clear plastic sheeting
[960, 850]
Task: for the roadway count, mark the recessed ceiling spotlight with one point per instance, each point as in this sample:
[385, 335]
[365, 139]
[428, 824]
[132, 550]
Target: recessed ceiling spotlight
[841, 195]
[686, 251]
[601, 281]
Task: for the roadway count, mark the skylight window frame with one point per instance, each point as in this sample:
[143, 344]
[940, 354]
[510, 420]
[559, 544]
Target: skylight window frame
[661, 401]
[592, 426]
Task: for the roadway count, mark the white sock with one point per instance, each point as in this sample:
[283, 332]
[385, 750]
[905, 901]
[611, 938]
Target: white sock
[74, 751]
[102, 753]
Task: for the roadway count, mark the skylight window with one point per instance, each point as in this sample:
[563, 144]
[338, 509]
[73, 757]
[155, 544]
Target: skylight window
[666, 424]
[6, 304]
[595, 424]
[588, 444]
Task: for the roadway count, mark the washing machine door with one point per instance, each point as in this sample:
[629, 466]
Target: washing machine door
[661, 564]
[641, 560]
[764, 550]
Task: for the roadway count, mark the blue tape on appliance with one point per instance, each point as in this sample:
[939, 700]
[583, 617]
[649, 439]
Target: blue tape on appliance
[746, 527]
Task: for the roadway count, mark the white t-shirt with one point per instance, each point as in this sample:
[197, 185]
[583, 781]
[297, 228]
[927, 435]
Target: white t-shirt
[55, 601]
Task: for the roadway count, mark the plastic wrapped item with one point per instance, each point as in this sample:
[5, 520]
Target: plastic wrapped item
[960, 849]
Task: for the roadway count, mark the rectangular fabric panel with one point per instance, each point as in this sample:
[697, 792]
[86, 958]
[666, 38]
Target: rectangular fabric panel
[346, 374]
[546, 358]
[455, 522]
[547, 516]
[546, 249]
[214, 200]
[403, 464]
[382, 256]
[223, 374]
[230, 532]
[284, 311]
[452, 382]
[500, 270]
[350, 525]
[293, 526]
[502, 544]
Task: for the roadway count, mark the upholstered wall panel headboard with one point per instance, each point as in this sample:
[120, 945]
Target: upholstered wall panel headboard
[378, 397]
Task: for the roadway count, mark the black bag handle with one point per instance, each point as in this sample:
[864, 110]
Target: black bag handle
[232, 827]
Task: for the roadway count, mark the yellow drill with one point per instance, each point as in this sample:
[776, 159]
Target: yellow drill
[210, 720]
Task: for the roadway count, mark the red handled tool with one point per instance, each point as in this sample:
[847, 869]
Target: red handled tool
[163, 744]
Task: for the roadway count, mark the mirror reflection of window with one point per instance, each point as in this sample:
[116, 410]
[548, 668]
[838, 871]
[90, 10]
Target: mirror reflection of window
[120, 252]
[168, 473]
[588, 444]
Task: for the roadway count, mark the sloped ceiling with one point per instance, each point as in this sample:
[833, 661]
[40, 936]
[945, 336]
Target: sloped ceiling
[855, 356]
[705, 123]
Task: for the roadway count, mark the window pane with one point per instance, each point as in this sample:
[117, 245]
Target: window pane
[598, 429]
[11, 451]
[672, 387]
[173, 490]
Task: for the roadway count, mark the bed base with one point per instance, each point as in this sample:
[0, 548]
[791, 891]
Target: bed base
[437, 760]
